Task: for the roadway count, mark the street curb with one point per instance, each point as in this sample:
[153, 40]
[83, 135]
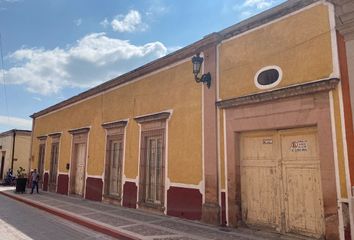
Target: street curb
[74, 218]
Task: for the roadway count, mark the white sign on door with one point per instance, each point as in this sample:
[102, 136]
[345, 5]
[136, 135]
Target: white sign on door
[299, 146]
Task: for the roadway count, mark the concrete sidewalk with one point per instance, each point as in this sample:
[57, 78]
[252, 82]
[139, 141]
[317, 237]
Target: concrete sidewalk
[124, 223]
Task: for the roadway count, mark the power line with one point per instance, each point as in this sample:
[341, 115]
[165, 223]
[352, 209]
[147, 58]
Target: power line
[3, 80]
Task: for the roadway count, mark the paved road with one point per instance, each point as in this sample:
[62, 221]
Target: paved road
[35, 224]
[22, 222]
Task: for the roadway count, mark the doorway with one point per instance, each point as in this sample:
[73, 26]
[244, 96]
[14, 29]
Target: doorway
[280, 181]
[152, 167]
[78, 164]
[2, 165]
[114, 167]
[41, 159]
[53, 167]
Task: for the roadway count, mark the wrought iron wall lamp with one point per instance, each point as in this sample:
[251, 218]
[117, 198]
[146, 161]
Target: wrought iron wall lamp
[197, 64]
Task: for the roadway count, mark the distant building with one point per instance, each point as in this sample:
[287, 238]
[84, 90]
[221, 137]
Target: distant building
[265, 145]
[14, 151]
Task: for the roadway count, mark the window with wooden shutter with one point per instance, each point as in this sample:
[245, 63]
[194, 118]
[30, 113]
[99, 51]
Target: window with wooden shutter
[41, 159]
[41, 155]
[114, 159]
[152, 161]
[53, 171]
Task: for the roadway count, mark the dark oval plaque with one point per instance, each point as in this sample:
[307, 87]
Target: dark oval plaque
[268, 77]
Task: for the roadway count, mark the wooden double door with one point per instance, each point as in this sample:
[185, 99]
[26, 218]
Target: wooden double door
[281, 182]
[78, 164]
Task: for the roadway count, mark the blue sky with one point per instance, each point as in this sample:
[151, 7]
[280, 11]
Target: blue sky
[54, 49]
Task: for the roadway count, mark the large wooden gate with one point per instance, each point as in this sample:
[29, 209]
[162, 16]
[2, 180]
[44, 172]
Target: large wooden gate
[280, 181]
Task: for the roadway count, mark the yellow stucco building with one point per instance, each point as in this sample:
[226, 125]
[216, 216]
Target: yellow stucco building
[264, 144]
[15, 148]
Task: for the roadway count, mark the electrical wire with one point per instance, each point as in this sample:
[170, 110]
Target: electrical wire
[3, 80]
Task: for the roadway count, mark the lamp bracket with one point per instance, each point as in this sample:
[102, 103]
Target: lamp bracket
[205, 78]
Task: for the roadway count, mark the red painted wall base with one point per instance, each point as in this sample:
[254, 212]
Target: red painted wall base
[184, 203]
[63, 181]
[223, 209]
[130, 195]
[45, 182]
[94, 188]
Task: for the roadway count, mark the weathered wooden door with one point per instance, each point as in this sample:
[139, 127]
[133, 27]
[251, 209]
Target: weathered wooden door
[41, 160]
[80, 167]
[154, 181]
[53, 167]
[303, 201]
[115, 170]
[260, 196]
[280, 181]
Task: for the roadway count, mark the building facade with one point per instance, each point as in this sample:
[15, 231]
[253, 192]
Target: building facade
[15, 146]
[344, 11]
[264, 145]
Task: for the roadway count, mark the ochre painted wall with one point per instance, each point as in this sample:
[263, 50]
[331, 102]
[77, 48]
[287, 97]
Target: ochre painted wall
[299, 44]
[339, 142]
[222, 149]
[22, 151]
[171, 89]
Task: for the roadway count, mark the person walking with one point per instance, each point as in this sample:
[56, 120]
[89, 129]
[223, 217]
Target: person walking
[35, 179]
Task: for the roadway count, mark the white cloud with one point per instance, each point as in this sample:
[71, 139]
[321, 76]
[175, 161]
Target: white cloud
[37, 99]
[78, 22]
[251, 7]
[9, 1]
[259, 4]
[15, 122]
[157, 8]
[128, 23]
[61, 98]
[92, 60]
[7, 4]
[173, 49]
[105, 23]
[246, 14]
